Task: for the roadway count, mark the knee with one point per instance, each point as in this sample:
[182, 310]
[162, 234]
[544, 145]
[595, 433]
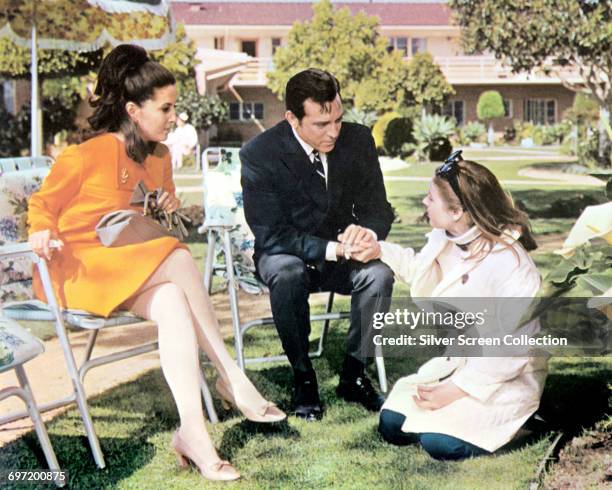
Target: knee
[444, 447]
[390, 425]
[290, 274]
[377, 276]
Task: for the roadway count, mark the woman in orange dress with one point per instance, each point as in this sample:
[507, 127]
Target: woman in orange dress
[158, 280]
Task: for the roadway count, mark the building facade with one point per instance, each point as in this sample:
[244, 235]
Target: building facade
[236, 42]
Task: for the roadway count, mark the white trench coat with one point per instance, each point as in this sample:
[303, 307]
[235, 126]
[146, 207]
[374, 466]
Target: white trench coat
[503, 392]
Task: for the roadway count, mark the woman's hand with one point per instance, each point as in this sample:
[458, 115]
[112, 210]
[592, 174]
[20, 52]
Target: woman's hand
[360, 243]
[438, 396]
[39, 241]
[168, 202]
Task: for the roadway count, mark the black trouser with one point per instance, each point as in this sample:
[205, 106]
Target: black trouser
[439, 446]
[290, 282]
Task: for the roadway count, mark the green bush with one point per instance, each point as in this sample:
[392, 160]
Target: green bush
[378, 131]
[397, 134]
[472, 132]
[429, 131]
[588, 150]
[204, 110]
[490, 105]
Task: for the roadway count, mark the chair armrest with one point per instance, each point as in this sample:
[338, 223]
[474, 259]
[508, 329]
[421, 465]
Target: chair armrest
[16, 249]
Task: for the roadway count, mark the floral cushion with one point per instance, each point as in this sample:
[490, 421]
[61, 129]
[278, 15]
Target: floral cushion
[15, 190]
[224, 207]
[16, 345]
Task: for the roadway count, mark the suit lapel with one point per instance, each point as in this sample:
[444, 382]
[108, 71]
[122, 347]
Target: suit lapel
[337, 172]
[295, 159]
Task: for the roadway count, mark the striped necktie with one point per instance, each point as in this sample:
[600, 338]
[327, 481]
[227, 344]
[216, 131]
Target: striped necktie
[318, 164]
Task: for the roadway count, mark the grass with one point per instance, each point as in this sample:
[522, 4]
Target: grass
[135, 420]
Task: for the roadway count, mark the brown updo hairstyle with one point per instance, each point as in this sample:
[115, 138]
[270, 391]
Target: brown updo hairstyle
[487, 205]
[126, 75]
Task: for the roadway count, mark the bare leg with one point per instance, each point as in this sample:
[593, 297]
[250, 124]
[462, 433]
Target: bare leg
[166, 305]
[180, 269]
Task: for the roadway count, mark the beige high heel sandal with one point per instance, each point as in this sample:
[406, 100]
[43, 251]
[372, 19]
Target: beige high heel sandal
[219, 471]
[267, 413]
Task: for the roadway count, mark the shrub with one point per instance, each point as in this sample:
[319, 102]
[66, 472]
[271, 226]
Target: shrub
[490, 105]
[588, 150]
[509, 134]
[428, 133]
[472, 132]
[397, 134]
[367, 118]
[440, 149]
[378, 131]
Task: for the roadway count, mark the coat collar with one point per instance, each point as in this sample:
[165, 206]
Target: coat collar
[437, 242]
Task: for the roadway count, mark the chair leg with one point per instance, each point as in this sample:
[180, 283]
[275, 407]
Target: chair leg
[232, 288]
[330, 306]
[210, 259]
[41, 431]
[380, 367]
[71, 366]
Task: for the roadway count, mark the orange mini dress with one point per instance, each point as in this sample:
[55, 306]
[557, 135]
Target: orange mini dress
[86, 182]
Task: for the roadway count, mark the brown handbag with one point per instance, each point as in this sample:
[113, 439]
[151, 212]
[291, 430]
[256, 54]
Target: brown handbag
[127, 226]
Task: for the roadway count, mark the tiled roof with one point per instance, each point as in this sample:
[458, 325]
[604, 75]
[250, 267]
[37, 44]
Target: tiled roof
[261, 13]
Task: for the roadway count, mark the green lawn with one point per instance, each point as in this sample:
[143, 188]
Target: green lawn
[135, 420]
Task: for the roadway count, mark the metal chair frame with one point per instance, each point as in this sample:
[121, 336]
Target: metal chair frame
[222, 233]
[77, 373]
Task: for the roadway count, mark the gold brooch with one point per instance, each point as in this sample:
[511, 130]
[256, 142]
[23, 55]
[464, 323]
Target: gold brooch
[124, 175]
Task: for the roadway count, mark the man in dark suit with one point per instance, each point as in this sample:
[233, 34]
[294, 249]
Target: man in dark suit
[312, 189]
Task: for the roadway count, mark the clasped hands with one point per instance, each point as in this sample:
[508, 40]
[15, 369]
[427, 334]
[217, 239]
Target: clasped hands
[358, 243]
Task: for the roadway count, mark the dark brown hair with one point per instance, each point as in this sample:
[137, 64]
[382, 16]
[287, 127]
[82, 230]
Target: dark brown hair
[318, 85]
[489, 207]
[126, 75]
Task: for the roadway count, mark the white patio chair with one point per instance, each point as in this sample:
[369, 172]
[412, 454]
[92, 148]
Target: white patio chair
[230, 239]
[16, 261]
[17, 347]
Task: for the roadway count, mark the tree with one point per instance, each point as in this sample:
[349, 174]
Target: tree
[550, 35]
[427, 83]
[350, 47]
[490, 106]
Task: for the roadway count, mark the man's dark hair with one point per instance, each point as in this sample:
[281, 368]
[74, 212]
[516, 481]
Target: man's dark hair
[318, 85]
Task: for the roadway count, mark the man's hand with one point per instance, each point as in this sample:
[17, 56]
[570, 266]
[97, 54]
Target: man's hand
[168, 202]
[39, 241]
[366, 252]
[438, 396]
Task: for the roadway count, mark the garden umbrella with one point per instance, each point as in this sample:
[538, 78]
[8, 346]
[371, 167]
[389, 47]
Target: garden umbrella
[81, 25]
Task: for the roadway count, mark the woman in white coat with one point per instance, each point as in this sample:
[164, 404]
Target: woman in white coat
[463, 407]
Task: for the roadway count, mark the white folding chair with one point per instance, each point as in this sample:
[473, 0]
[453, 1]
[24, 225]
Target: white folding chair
[17, 347]
[229, 238]
[15, 277]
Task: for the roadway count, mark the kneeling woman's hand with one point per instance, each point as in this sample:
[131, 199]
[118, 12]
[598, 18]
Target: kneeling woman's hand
[438, 396]
[39, 242]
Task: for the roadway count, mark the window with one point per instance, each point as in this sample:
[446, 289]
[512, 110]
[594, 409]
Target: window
[276, 43]
[456, 109]
[7, 95]
[242, 111]
[398, 44]
[540, 111]
[508, 108]
[249, 47]
[418, 45]
[219, 43]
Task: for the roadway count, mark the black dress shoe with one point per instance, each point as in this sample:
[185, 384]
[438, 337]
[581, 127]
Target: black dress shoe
[306, 402]
[360, 390]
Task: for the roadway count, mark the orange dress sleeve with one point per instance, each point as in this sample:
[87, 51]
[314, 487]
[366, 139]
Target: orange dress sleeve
[58, 189]
[168, 184]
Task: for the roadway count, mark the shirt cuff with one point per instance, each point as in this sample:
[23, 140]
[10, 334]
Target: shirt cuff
[330, 252]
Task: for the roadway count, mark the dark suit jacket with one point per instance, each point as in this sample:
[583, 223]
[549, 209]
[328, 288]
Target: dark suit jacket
[287, 216]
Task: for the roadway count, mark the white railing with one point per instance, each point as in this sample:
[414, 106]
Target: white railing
[457, 69]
